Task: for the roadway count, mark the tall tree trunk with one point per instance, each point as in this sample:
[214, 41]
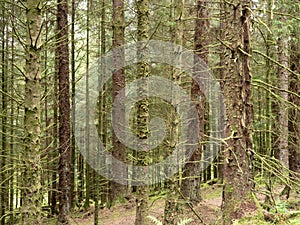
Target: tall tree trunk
[172, 184]
[45, 84]
[64, 110]
[55, 138]
[12, 119]
[191, 174]
[294, 124]
[222, 72]
[103, 114]
[283, 82]
[118, 190]
[87, 113]
[238, 178]
[3, 174]
[97, 177]
[31, 209]
[269, 125]
[143, 107]
[73, 82]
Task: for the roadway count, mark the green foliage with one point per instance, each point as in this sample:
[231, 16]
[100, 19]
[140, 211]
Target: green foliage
[154, 220]
[184, 221]
[280, 214]
[158, 222]
[250, 221]
[280, 207]
[294, 221]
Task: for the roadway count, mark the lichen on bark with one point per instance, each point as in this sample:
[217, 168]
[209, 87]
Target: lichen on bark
[31, 209]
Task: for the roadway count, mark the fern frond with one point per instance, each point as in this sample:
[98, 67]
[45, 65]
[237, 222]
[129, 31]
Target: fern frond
[184, 221]
[154, 220]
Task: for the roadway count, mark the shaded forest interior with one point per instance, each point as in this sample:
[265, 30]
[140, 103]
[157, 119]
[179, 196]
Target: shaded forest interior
[150, 112]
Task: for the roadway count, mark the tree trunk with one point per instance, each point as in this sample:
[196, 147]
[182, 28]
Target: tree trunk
[12, 130]
[81, 181]
[4, 65]
[191, 174]
[73, 89]
[100, 181]
[117, 190]
[238, 178]
[64, 110]
[31, 209]
[283, 82]
[294, 124]
[143, 107]
[87, 113]
[55, 138]
[103, 114]
[269, 149]
[172, 184]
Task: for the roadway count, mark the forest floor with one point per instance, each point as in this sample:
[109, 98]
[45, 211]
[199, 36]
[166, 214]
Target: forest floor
[124, 214]
[208, 210]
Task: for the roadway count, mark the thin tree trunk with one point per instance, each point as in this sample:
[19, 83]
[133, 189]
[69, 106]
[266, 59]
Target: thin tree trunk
[12, 111]
[64, 110]
[55, 138]
[80, 178]
[3, 188]
[101, 182]
[118, 190]
[103, 113]
[143, 107]
[87, 113]
[294, 124]
[238, 177]
[221, 35]
[283, 81]
[46, 111]
[268, 136]
[172, 184]
[73, 82]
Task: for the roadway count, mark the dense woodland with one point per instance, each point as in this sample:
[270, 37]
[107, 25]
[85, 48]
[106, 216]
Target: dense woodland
[249, 149]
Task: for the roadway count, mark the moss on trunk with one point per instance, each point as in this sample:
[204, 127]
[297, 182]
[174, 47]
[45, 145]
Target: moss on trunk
[31, 209]
[238, 178]
[143, 107]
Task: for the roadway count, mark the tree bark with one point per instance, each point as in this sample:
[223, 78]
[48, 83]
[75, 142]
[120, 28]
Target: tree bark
[117, 190]
[88, 168]
[103, 107]
[12, 119]
[73, 89]
[172, 184]
[238, 178]
[143, 107]
[294, 124]
[64, 110]
[269, 148]
[283, 81]
[4, 65]
[31, 209]
[99, 180]
[191, 174]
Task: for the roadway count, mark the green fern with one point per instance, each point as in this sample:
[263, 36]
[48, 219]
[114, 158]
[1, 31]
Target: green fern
[154, 220]
[184, 221]
[158, 222]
